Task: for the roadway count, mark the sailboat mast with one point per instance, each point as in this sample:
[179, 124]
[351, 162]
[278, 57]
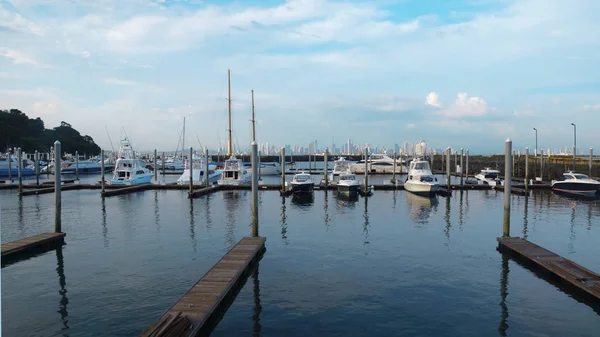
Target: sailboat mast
[230, 143]
[253, 121]
[183, 140]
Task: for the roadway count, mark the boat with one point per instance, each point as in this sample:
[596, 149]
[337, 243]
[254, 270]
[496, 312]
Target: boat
[83, 167]
[302, 183]
[490, 177]
[14, 168]
[378, 163]
[347, 184]
[266, 169]
[130, 170]
[199, 171]
[234, 173]
[420, 180]
[576, 184]
[340, 166]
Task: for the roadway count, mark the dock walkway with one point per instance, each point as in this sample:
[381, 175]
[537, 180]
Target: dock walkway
[198, 311]
[566, 270]
[27, 245]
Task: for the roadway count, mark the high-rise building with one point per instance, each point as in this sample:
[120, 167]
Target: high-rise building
[420, 148]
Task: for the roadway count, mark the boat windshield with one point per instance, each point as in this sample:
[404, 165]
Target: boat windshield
[422, 165]
[347, 177]
[580, 176]
[428, 179]
[302, 177]
[491, 175]
[232, 164]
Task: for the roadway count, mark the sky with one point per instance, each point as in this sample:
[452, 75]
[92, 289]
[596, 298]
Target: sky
[465, 74]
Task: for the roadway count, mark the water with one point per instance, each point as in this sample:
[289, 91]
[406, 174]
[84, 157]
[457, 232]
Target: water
[392, 264]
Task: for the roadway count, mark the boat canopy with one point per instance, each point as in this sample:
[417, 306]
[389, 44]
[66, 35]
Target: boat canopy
[348, 177]
[420, 165]
[301, 177]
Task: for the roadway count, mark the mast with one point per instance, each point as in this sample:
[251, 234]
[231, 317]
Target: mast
[252, 120]
[230, 143]
[183, 141]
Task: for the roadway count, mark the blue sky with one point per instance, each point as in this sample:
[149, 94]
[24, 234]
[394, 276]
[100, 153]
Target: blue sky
[454, 73]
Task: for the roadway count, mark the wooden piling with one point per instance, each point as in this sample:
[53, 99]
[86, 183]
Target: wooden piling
[325, 177]
[37, 167]
[206, 175]
[57, 183]
[162, 161]
[591, 159]
[76, 165]
[282, 153]
[255, 189]
[9, 166]
[448, 169]
[394, 170]
[527, 169]
[507, 186]
[191, 170]
[20, 169]
[102, 171]
[467, 164]
[366, 170]
[461, 167]
[155, 168]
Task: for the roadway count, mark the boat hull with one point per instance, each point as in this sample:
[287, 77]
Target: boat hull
[198, 176]
[348, 189]
[583, 189]
[82, 170]
[420, 188]
[234, 182]
[267, 170]
[136, 180]
[25, 172]
[303, 188]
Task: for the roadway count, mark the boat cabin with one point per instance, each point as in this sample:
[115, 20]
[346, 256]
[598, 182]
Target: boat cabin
[420, 165]
[573, 176]
[301, 177]
[490, 174]
[347, 177]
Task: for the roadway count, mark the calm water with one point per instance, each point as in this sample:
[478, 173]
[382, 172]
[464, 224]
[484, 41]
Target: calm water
[392, 264]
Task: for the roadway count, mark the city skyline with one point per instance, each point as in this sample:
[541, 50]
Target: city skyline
[466, 74]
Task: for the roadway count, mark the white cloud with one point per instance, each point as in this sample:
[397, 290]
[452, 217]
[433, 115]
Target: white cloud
[410, 126]
[591, 107]
[433, 99]
[42, 108]
[466, 106]
[18, 57]
[16, 22]
[118, 81]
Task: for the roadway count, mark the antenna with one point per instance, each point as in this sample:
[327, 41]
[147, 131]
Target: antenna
[199, 142]
[230, 143]
[110, 140]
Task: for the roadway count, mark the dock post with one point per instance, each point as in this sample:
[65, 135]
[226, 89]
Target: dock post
[259, 170]
[542, 164]
[20, 169]
[462, 153]
[282, 154]
[467, 165]
[162, 161]
[57, 187]
[591, 158]
[155, 168]
[325, 165]
[76, 165]
[513, 160]
[366, 169]
[456, 162]
[527, 170]
[37, 167]
[507, 186]
[394, 170]
[191, 172]
[448, 169]
[102, 170]
[254, 189]
[206, 178]
[9, 166]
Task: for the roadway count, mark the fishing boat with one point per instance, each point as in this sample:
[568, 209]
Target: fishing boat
[266, 169]
[420, 180]
[340, 166]
[490, 177]
[302, 183]
[199, 171]
[82, 167]
[130, 170]
[13, 168]
[576, 184]
[348, 184]
[378, 163]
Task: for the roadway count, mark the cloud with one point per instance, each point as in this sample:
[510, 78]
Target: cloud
[17, 23]
[18, 57]
[118, 81]
[591, 107]
[42, 108]
[410, 126]
[465, 106]
[555, 100]
[433, 99]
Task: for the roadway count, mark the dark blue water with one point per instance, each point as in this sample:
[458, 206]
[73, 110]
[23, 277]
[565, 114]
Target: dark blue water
[393, 264]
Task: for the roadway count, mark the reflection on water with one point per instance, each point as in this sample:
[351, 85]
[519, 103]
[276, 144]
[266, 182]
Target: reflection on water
[104, 226]
[192, 226]
[283, 222]
[572, 230]
[448, 222]
[156, 211]
[525, 217]
[420, 207]
[326, 209]
[257, 308]
[62, 304]
[232, 203]
[366, 225]
[503, 294]
[303, 199]
[346, 200]
[207, 212]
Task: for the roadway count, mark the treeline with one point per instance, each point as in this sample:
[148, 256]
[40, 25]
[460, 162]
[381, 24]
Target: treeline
[18, 130]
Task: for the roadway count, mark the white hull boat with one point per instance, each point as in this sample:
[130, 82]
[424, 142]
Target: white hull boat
[420, 180]
[234, 173]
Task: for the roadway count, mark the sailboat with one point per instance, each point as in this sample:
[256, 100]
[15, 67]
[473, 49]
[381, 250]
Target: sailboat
[267, 168]
[233, 173]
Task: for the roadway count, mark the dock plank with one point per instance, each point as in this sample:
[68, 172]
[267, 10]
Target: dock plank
[578, 276]
[30, 243]
[205, 301]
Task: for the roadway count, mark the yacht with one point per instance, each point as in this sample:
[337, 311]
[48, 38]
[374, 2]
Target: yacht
[267, 168]
[576, 183]
[199, 171]
[378, 163]
[234, 173]
[130, 170]
[340, 166]
[490, 177]
[83, 167]
[14, 168]
[302, 183]
[420, 180]
[347, 184]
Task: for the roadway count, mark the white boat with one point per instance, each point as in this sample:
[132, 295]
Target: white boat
[267, 169]
[82, 167]
[302, 183]
[199, 171]
[340, 166]
[490, 177]
[130, 170]
[234, 173]
[420, 180]
[577, 184]
[347, 184]
[378, 163]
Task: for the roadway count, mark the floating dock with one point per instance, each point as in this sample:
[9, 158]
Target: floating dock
[566, 270]
[201, 308]
[204, 190]
[15, 249]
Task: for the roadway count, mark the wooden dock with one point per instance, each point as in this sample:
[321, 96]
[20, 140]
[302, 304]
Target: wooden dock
[127, 189]
[565, 270]
[204, 191]
[34, 244]
[200, 309]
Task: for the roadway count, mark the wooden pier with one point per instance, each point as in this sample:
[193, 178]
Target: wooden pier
[201, 308]
[204, 191]
[35, 244]
[565, 270]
